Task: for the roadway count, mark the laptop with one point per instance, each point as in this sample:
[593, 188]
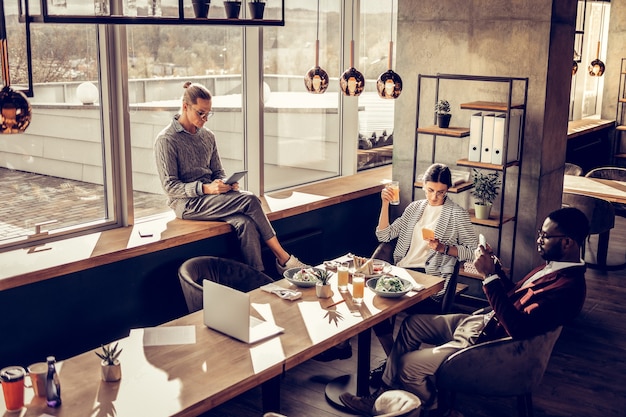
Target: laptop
[228, 311]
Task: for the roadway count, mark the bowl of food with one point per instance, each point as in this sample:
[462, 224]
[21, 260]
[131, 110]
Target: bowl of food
[302, 277]
[368, 266]
[389, 286]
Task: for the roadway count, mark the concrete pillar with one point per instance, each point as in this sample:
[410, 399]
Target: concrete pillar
[512, 39]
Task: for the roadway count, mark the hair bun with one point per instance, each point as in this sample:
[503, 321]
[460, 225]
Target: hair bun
[187, 84]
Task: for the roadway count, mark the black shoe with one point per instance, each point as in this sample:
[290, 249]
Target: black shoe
[376, 375]
[343, 351]
[362, 405]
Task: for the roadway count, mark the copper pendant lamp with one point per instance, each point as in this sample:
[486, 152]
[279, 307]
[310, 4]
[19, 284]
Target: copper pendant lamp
[352, 80]
[597, 67]
[389, 83]
[316, 79]
[15, 110]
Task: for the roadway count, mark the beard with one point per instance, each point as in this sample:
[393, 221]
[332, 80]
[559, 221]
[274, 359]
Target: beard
[553, 253]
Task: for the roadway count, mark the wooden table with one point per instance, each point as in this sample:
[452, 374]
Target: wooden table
[189, 379]
[611, 190]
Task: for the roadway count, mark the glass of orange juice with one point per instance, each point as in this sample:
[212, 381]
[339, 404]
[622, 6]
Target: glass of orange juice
[394, 186]
[358, 287]
[342, 276]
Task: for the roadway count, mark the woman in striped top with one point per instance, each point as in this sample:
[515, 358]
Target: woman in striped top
[454, 237]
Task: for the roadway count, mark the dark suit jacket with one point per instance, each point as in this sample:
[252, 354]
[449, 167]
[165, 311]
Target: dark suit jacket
[547, 303]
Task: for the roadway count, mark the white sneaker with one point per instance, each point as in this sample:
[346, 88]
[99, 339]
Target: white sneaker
[292, 262]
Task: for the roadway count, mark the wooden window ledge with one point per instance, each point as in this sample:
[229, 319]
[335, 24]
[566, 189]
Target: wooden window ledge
[26, 266]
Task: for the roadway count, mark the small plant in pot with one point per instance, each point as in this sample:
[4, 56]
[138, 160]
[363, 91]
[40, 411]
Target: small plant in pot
[232, 9]
[442, 108]
[322, 287]
[201, 8]
[257, 8]
[485, 190]
[111, 366]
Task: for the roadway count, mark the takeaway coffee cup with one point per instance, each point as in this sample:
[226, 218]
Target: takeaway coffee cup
[12, 379]
[37, 373]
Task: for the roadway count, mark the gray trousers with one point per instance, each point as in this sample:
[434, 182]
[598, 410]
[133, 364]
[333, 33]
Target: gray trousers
[413, 369]
[243, 211]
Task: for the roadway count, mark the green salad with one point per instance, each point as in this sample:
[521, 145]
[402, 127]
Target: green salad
[389, 284]
[305, 275]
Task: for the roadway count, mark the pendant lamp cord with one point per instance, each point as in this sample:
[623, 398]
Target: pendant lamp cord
[390, 61]
[317, 35]
[4, 52]
[601, 30]
[391, 25]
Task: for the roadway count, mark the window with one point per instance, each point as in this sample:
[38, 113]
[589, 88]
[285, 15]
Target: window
[586, 90]
[301, 130]
[54, 175]
[91, 123]
[377, 29]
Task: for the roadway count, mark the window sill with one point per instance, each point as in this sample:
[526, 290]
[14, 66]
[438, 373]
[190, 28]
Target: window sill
[30, 265]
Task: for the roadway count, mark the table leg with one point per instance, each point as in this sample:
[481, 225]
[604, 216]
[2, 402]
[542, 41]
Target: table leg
[357, 384]
[363, 363]
[270, 393]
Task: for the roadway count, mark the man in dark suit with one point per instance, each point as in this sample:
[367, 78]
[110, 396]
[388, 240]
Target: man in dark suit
[549, 296]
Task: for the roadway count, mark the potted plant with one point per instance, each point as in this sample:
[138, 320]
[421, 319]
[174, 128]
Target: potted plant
[257, 7]
[485, 190]
[232, 9]
[201, 8]
[111, 367]
[322, 286]
[442, 108]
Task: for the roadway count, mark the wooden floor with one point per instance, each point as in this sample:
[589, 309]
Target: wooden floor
[586, 376]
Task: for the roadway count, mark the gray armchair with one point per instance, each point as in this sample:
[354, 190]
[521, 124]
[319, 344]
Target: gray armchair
[503, 367]
[231, 273]
[601, 216]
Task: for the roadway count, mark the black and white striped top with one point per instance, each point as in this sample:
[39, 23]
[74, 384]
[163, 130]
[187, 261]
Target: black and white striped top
[454, 228]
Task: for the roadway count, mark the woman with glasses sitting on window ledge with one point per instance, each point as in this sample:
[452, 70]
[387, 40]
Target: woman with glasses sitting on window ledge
[191, 174]
[454, 240]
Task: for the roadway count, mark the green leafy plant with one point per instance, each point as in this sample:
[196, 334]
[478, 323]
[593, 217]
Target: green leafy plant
[323, 276]
[486, 186]
[442, 107]
[109, 354]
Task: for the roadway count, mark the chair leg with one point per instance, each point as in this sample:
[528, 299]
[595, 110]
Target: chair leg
[603, 247]
[525, 405]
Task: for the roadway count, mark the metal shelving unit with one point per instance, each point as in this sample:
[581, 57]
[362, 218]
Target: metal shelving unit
[514, 100]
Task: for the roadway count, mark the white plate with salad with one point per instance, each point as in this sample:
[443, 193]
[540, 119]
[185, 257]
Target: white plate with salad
[302, 277]
[389, 286]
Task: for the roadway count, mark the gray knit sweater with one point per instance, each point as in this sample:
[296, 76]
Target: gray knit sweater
[184, 162]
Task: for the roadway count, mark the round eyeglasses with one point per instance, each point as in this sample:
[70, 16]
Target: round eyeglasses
[202, 114]
[438, 194]
[543, 236]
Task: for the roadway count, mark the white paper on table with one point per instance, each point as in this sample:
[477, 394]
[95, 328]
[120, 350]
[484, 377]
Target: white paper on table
[265, 311]
[296, 199]
[169, 335]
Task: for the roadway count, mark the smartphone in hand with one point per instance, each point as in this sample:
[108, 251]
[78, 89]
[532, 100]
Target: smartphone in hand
[428, 234]
[234, 177]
